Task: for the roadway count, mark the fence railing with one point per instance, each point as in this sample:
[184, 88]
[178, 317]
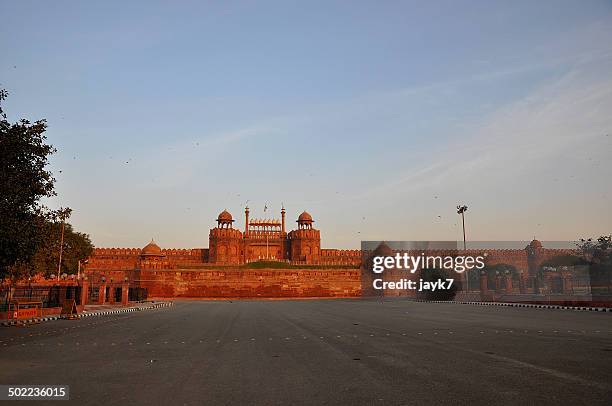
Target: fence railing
[50, 296]
[54, 296]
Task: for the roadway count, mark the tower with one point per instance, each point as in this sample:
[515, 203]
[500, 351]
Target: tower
[225, 242]
[246, 221]
[305, 242]
[283, 219]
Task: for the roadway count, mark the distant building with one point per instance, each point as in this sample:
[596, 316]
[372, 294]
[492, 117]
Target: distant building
[261, 239]
[264, 239]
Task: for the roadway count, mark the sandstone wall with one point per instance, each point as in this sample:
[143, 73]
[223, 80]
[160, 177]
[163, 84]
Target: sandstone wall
[240, 283]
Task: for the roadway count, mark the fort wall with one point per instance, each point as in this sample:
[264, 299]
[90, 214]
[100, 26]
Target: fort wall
[219, 271]
[236, 282]
[129, 258]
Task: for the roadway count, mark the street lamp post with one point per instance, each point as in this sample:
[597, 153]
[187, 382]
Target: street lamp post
[461, 210]
[63, 214]
[59, 263]
[79, 267]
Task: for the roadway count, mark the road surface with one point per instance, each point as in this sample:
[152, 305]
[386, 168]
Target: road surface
[319, 352]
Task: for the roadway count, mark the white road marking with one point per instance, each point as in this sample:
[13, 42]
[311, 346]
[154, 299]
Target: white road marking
[550, 371]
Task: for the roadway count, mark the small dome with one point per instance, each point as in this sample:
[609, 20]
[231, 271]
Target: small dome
[225, 216]
[151, 249]
[305, 218]
[383, 250]
[535, 244]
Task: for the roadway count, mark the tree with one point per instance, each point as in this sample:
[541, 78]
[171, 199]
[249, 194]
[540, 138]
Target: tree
[564, 260]
[77, 247]
[24, 180]
[598, 255]
[493, 271]
[598, 251]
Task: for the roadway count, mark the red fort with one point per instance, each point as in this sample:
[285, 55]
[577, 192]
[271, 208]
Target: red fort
[264, 260]
[222, 270]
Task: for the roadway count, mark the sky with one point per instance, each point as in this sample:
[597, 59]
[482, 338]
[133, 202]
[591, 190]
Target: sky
[378, 118]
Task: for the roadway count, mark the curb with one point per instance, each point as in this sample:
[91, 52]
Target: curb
[535, 306]
[7, 323]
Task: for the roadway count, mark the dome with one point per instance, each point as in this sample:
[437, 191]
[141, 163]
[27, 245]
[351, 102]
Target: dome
[151, 249]
[383, 250]
[535, 244]
[305, 218]
[225, 216]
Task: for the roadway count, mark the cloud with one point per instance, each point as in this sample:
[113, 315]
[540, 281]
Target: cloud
[524, 136]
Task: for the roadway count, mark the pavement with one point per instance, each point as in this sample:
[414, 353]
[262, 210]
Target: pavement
[288, 352]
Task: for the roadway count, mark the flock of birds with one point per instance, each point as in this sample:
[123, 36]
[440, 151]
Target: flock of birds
[438, 218]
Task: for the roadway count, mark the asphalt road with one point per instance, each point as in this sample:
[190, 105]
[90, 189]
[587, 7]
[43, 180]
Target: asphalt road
[319, 352]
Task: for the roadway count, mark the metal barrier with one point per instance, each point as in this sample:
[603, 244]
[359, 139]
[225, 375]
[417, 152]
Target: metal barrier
[21, 310]
[49, 296]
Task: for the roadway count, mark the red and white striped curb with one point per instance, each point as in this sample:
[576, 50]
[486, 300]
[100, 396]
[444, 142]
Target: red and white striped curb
[531, 305]
[6, 323]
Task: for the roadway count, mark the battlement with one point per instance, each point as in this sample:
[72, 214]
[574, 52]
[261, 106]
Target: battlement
[117, 252]
[331, 252]
[225, 233]
[304, 234]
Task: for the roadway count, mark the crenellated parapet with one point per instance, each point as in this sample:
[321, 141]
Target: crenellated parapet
[225, 233]
[331, 252]
[305, 234]
[117, 252]
[186, 256]
[114, 258]
[340, 257]
[149, 257]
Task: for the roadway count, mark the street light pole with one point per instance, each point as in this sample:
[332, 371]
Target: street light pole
[59, 263]
[63, 214]
[461, 210]
[79, 268]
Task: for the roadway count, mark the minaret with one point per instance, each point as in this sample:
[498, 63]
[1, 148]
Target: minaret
[283, 219]
[246, 221]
